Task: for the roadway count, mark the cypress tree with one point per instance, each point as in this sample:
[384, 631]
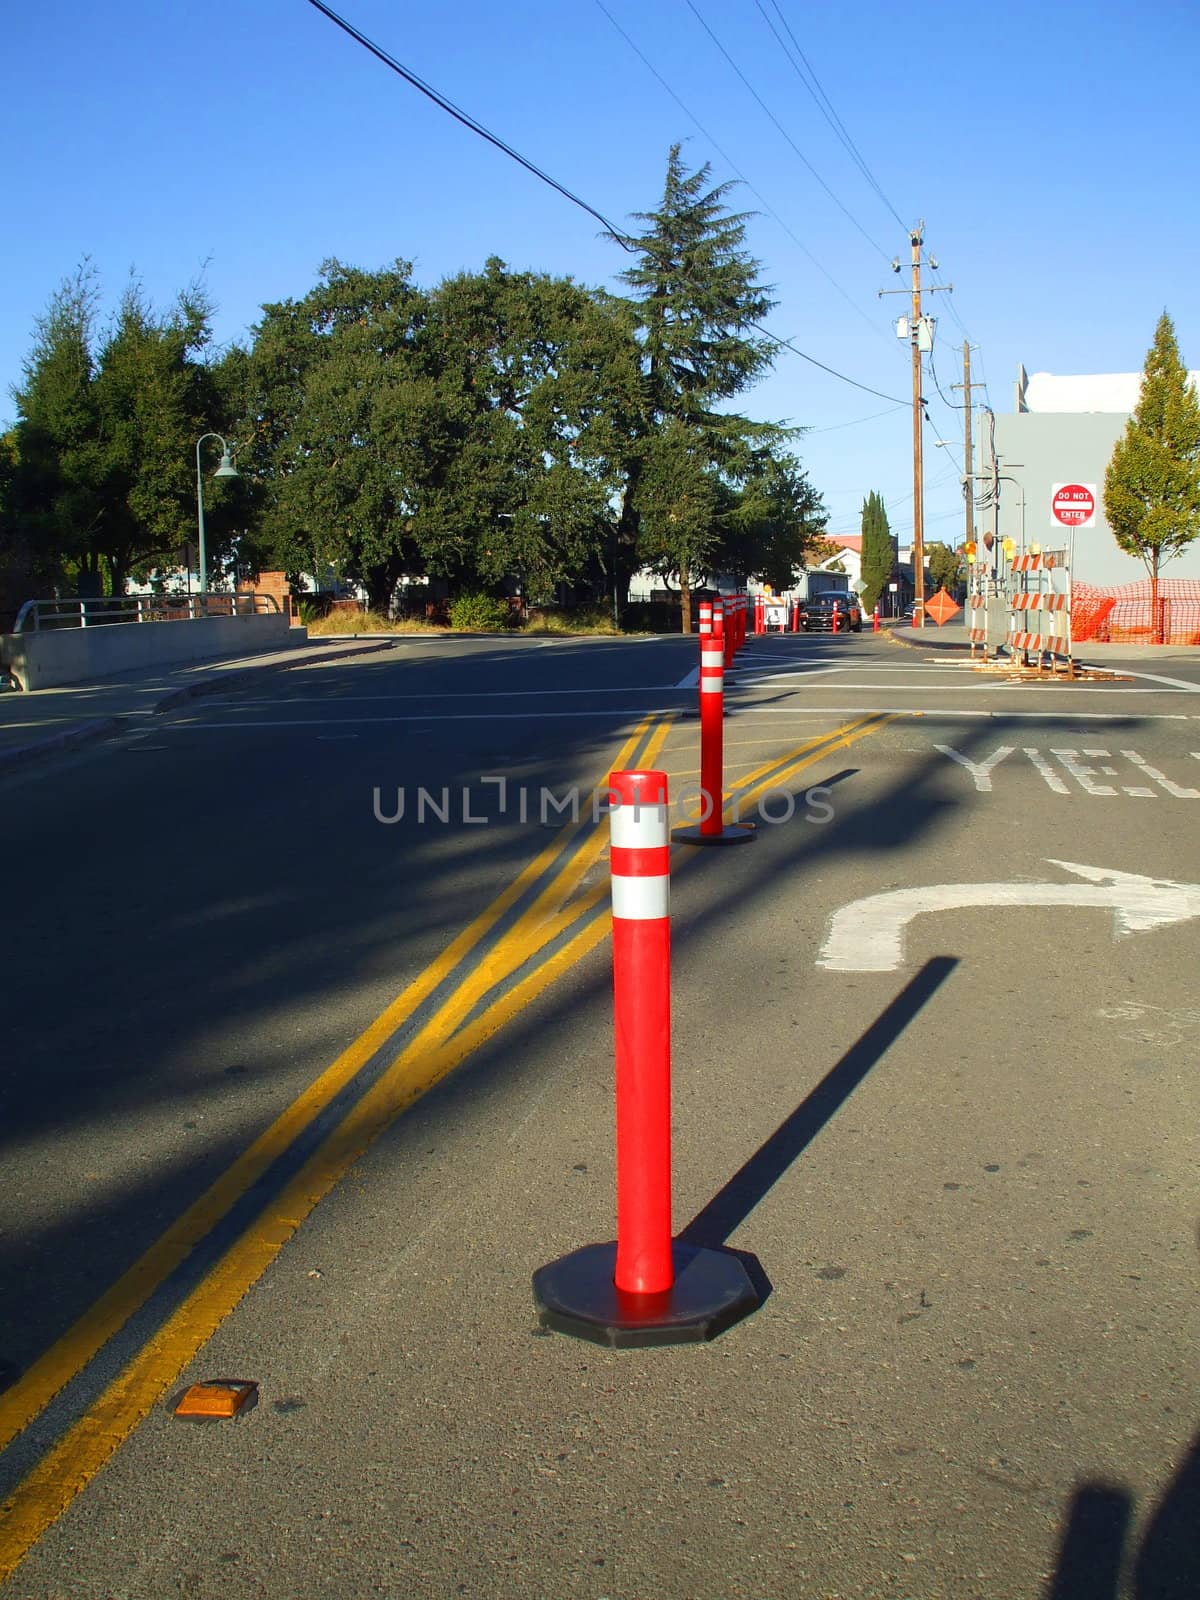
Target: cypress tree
[878, 553]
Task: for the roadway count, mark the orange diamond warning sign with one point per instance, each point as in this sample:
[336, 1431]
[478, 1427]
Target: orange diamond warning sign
[941, 608]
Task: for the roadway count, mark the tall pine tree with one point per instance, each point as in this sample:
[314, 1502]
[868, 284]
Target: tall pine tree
[1152, 485]
[697, 296]
[878, 552]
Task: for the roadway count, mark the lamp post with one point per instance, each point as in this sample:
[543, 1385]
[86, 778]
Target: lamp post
[225, 469]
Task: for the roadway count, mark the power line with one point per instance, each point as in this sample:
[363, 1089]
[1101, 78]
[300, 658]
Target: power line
[767, 207]
[470, 122]
[953, 404]
[901, 405]
[875, 245]
[785, 344]
[615, 232]
[823, 102]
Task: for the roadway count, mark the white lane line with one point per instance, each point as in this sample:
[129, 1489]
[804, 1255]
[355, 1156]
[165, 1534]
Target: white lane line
[748, 680]
[1155, 677]
[336, 698]
[799, 713]
[970, 688]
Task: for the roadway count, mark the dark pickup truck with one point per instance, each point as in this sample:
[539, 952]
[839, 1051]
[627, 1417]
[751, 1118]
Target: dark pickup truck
[816, 613]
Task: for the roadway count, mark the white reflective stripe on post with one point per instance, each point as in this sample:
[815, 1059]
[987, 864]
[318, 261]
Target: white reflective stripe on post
[712, 685]
[712, 658]
[641, 899]
[638, 827]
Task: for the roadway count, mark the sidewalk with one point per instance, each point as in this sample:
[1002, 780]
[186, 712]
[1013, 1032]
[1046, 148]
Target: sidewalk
[37, 723]
[953, 637]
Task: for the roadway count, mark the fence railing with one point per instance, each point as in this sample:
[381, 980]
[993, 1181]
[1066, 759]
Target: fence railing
[36, 616]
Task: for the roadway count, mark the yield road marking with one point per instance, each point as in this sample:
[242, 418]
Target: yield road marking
[868, 934]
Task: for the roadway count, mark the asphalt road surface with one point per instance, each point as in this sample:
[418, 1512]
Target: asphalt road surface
[308, 1067]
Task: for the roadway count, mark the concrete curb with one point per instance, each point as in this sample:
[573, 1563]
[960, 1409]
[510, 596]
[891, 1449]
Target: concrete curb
[218, 681]
[916, 639]
[61, 739]
[77, 733]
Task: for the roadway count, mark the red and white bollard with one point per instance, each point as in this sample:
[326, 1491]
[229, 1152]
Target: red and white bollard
[875, 618]
[795, 616]
[760, 614]
[642, 1288]
[712, 828]
[706, 623]
[641, 912]
[835, 616]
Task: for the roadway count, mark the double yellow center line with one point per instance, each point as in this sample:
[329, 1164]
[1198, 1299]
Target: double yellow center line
[462, 1021]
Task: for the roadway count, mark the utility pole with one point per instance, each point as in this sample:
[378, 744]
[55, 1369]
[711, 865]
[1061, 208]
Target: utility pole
[918, 329]
[916, 241]
[968, 441]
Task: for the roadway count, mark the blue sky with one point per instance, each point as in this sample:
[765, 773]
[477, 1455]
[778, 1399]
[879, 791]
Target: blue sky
[1052, 151]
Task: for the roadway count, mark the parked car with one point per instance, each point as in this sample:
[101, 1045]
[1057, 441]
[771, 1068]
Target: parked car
[816, 613]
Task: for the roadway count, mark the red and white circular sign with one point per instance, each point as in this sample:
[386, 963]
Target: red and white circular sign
[1073, 505]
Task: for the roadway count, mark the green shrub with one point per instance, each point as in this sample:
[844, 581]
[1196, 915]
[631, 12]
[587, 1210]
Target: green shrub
[479, 613]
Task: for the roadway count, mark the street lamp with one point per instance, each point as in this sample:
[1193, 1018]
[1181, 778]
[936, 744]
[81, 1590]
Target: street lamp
[226, 469]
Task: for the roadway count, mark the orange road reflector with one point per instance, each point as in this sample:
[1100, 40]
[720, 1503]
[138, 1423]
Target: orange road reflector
[215, 1399]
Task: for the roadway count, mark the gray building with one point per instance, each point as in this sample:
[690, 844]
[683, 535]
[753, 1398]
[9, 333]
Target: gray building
[1062, 432]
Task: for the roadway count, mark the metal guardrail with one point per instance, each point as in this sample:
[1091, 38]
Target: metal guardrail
[37, 616]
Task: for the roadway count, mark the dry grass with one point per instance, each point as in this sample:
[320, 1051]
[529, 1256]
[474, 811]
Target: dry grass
[367, 622]
[572, 624]
[582, 624]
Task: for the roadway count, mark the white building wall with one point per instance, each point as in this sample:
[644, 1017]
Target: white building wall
[1038, 447]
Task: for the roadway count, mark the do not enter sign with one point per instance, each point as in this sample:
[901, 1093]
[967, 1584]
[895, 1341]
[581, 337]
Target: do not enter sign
[1073, 505]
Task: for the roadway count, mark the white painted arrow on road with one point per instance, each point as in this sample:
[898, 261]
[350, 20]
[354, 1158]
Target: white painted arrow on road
[868, 935]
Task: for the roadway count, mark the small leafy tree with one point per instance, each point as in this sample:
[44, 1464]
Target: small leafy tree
[1152, 485]
[772, 522]
[878, 551]
[944, 566]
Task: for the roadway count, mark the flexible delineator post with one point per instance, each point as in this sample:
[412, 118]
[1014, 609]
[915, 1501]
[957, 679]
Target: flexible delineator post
[875, 618]
[795, 616]
[642, 1025]
[712, 738]
[706, 622]
[835, 616]
[643, 1288]
[711, 828]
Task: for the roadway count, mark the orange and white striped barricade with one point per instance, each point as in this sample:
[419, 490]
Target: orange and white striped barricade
[977, 623]
[1040, 622]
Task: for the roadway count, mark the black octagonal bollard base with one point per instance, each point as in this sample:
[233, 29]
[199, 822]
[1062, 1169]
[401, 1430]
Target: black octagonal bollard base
[731, 833]
[576, 1295]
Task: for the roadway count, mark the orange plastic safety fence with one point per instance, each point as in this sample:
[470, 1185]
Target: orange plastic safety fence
[1129, 614]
